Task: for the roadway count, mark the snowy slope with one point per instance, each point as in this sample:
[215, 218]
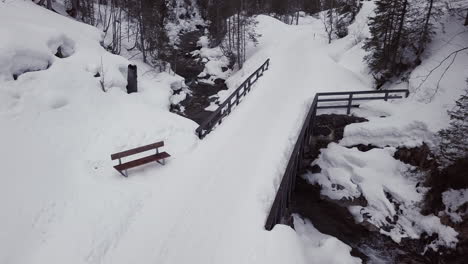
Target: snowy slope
[58, 129]
[62, 201]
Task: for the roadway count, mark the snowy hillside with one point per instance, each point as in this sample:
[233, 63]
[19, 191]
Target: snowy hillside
[59, 128]
[64, 109]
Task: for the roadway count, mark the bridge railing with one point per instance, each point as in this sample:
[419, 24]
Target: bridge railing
[350, 97]
[281, 205]
[227, 105]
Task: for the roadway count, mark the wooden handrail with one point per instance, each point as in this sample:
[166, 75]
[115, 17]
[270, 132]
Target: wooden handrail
[365, 92]
[217, 116]
[280, 207]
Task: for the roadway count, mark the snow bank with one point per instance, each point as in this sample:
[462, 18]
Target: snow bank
[432, 93]
[58, 129]
[216, 66]
[453, 200]
[348, 51]
[186, 18]
[322, 248]
[405, 123]
[390, 191]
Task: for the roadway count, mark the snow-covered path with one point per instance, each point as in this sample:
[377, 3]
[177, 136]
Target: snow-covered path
[212, 204]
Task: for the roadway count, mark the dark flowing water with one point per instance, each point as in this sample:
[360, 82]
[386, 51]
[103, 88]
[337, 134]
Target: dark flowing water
[201, 94]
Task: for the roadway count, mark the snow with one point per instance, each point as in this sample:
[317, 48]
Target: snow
[58, 129]
[215, 61]
[390, 191]
[207, 205]
[416, 120]
[187, 19]
[392, 196]
[406, 123]
[348, 51]
[322, 248]
[453, 200]
[63, 202]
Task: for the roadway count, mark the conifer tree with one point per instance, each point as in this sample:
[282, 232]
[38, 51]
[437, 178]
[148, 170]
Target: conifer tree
[399, 31]
[453, 140]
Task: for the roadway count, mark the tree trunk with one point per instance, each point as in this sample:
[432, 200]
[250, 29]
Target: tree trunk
[466, 19]
[239, 60]
[398, 37]
[142, 33]
[425, 33]
[75, 8]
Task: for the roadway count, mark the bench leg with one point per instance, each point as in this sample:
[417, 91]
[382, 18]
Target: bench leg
[124, 174]
[163, 162]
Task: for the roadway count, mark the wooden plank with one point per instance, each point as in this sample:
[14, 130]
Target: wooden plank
[141, 161]
[360, 98]
[335, 106]
[137, 150]
[364, 92]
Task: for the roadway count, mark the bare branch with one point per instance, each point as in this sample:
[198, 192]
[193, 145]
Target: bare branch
[455, 53]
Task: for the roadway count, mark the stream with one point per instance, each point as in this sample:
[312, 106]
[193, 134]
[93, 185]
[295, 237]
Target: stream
[333, 218]
[200, 94]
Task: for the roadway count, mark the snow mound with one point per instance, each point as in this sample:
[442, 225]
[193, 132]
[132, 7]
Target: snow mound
[406, 123]
[58, 129]
[453, 200]
[216, 66]
[322, 248]
[390, 191]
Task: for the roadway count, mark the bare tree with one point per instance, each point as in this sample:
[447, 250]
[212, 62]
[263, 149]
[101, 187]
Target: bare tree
[327, 17]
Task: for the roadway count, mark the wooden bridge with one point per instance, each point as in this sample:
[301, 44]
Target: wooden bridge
[226, 107]
[280, 209]
[297, 164]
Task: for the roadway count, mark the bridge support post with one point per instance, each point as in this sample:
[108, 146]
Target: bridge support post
[350, 101]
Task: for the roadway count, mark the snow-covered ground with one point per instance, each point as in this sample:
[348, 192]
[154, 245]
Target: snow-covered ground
[61, 200]
[453, 201]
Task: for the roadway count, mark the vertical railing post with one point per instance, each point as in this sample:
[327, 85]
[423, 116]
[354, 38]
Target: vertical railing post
[386, 96]
[350, 101]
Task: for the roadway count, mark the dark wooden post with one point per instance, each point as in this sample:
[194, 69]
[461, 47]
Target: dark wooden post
[132, 85]
[350, 101]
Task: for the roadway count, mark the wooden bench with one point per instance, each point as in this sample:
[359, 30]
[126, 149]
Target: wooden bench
[158, 157]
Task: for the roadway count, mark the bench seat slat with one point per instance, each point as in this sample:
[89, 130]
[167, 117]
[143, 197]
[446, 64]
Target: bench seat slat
[141, 161]
[137, 150]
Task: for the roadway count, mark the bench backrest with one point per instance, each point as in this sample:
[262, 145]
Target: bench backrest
[137, 150]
